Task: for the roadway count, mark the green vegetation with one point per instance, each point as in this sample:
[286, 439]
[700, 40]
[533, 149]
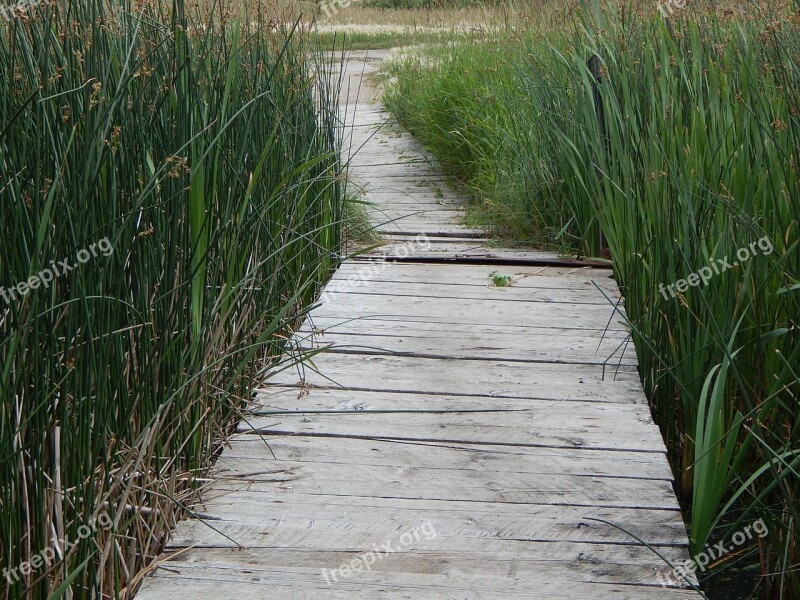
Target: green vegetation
[379, 25]
[478, 119]
[200, 156]
[685, 153]
[499, 280]
[376, 40]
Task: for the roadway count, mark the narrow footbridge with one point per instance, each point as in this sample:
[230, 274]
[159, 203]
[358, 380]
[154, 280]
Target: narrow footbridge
[475, 428]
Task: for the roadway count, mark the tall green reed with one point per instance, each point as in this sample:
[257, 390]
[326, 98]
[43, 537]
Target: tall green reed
[700, 162]
[200, 144]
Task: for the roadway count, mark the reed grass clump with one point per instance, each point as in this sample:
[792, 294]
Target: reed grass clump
[671, 145]
[184, 161]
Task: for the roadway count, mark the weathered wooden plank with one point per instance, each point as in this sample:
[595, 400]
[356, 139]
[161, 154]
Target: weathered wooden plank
[461, 428]
[535, 347]
[433, 214]
[482, 312]
[464, 377]
[390, 159]
[466, 250]
[599, 425]
[390, 177]
[197, 585]
[534, 460]
[404, 186]
[357, 284]
[430, 217]
[479, 311]
[399, 169]
[418, 196]
[543, 340]
[384, 142]
[284, 518]
[432, 239]
[524, 276]
[388, 231]
[412, 193]
[386, 146]
[405, 228]
[423, 220]
[464, 485]
[552, 561]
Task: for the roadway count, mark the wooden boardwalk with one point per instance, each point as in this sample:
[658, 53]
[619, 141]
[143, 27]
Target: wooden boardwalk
[457, 440]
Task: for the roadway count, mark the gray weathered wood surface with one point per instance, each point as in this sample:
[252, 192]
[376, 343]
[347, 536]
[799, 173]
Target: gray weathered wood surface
[446, 438]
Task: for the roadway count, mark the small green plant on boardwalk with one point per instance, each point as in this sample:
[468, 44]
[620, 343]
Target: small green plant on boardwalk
[501, 281]
[184, 168]
[690, 172]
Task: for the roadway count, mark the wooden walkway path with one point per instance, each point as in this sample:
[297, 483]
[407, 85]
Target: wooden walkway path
[458, 440]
